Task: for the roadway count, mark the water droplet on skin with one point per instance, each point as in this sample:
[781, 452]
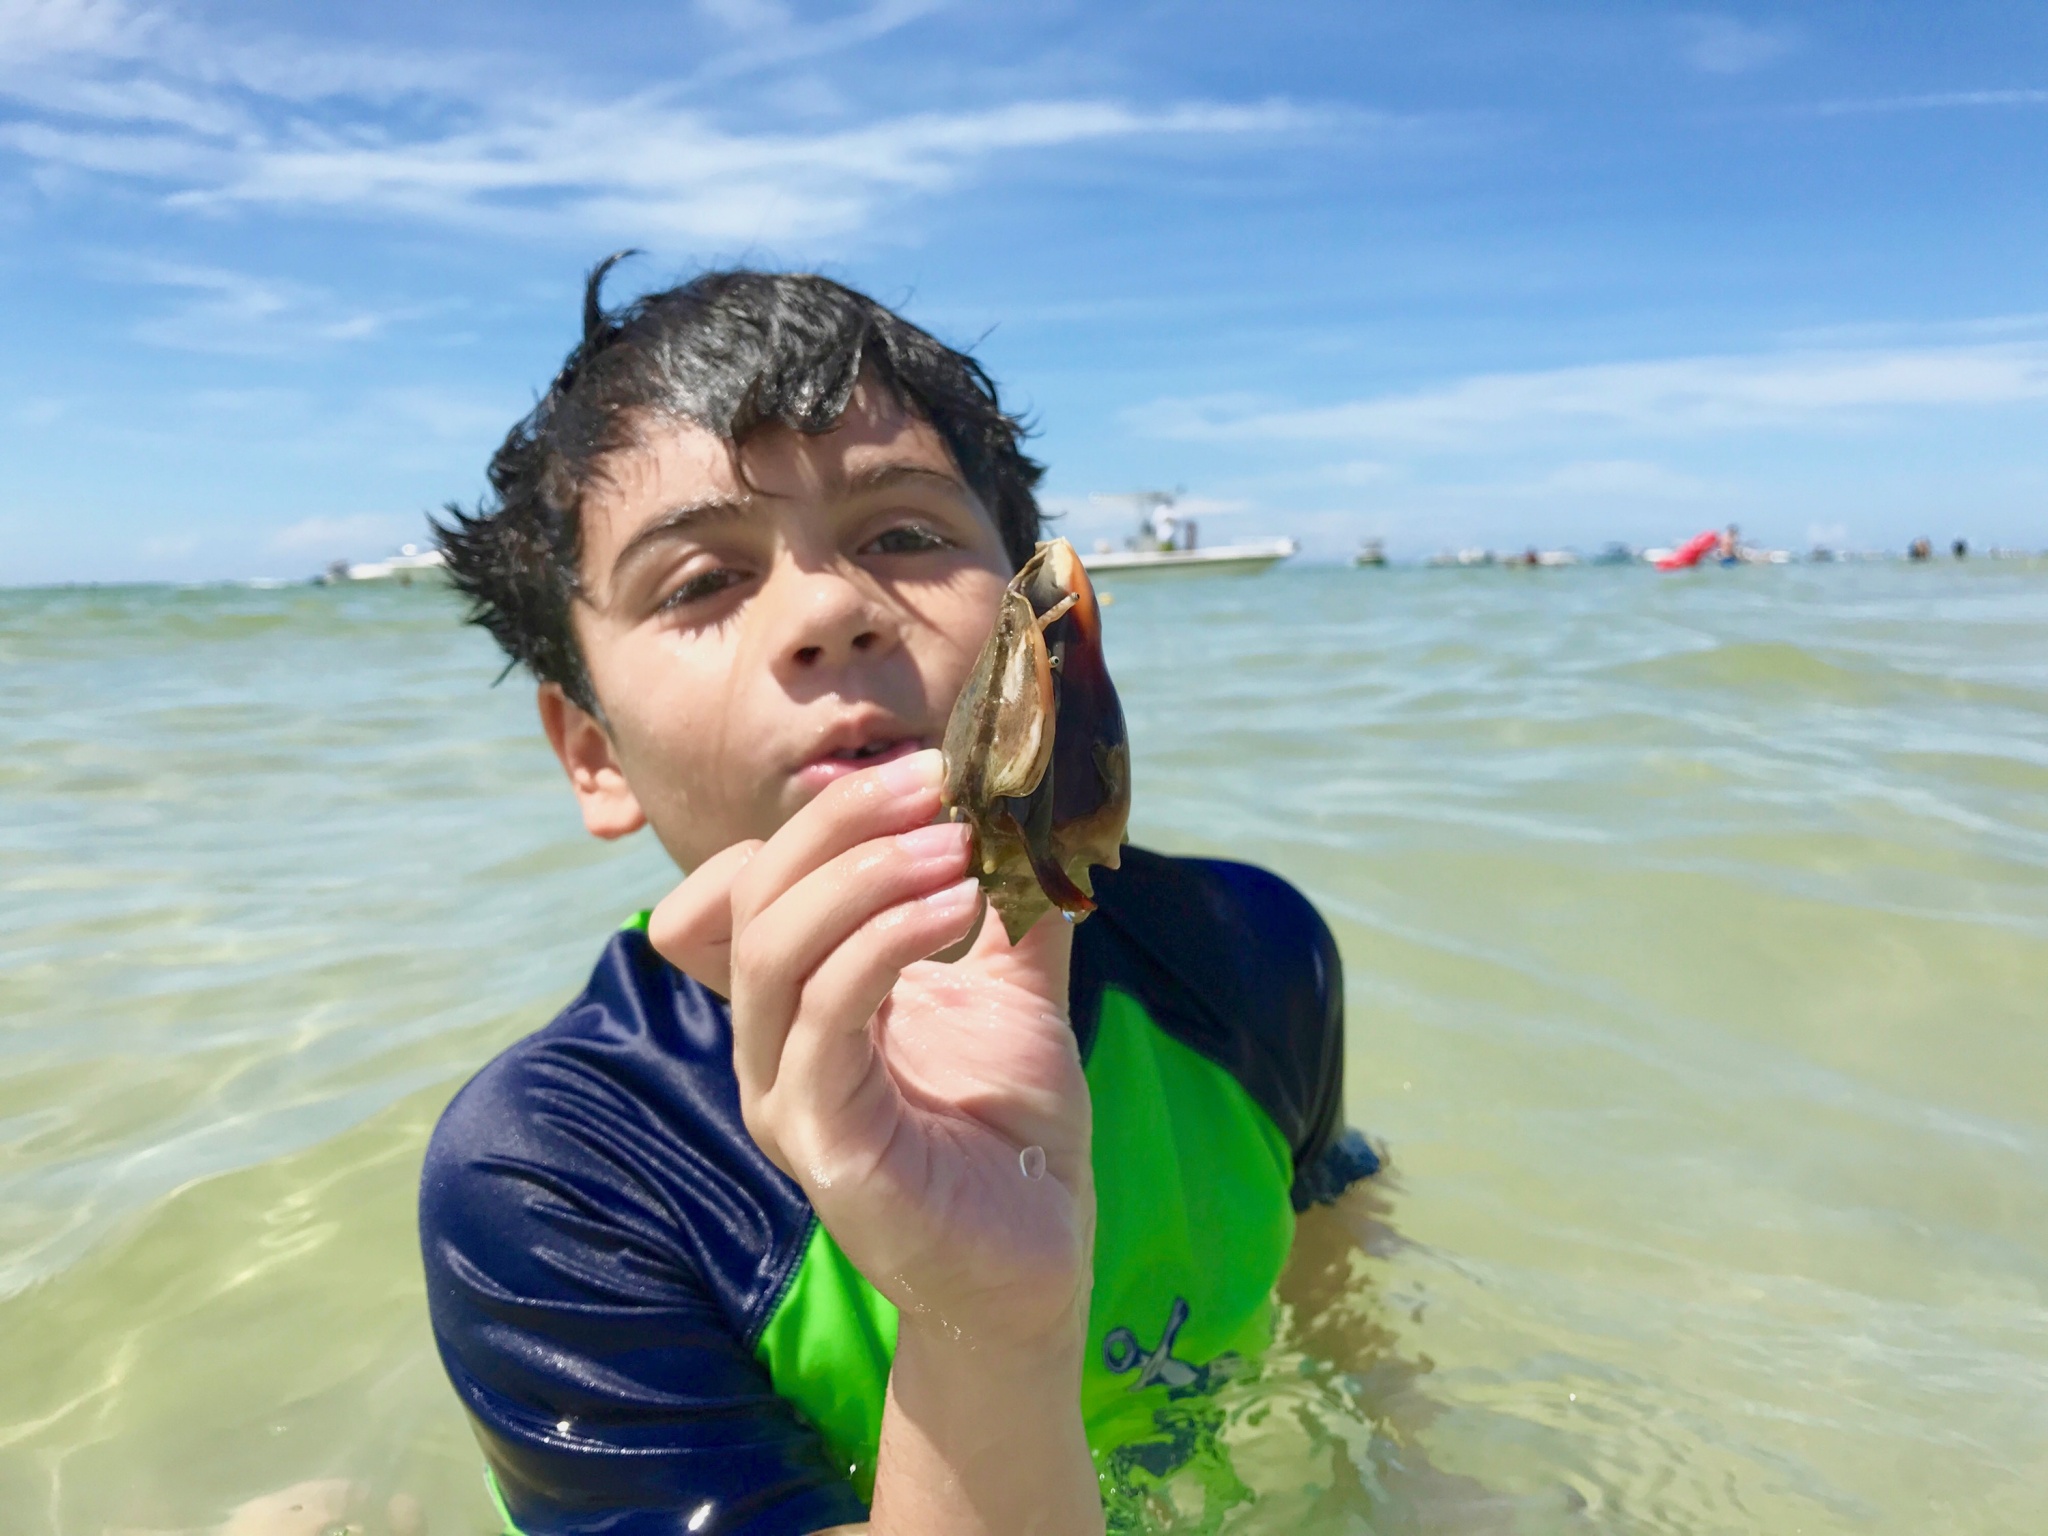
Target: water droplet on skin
[1032, 1161]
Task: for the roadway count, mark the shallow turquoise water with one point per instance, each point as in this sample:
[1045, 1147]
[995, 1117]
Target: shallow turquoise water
[1695, 936]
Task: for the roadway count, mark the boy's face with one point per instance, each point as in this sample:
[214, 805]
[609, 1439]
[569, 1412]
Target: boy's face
[752, 640]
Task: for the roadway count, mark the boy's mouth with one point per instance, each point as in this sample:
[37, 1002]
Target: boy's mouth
[837, 762]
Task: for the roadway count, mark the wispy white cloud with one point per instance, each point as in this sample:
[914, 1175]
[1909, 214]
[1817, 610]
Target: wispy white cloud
[131, 101]
[143, 50]
[644, 165]
[149, 156]
[1679, 396]
[767, 33]
[1936, 101]
[217, 123]
[237, 313]
[1879, 335]
[1728, 45]
[35, 30]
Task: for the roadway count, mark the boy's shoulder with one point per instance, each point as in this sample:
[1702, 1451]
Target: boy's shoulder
[620, 1117]
[603, 1243]
[1235, 963]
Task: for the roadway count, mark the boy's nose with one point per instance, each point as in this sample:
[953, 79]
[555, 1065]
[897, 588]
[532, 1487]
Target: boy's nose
[834, 621]
[811, 655]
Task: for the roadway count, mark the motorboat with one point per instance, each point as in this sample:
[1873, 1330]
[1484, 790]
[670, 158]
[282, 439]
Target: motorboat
[1166, 543]
[409, 564]
[1245, 559]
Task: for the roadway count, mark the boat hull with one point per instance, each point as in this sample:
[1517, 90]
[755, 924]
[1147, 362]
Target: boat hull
[1222, 560]
[404, 569]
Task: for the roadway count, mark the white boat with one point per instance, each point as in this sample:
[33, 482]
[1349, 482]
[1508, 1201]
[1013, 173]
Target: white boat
[1165, 544]
[411, 561]
[1218, 559]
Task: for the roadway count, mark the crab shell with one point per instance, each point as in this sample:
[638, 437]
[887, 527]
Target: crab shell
[1037, 761]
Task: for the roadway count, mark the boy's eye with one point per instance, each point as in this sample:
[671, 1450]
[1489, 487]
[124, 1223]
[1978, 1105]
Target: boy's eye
[908, 539]
[705, 584]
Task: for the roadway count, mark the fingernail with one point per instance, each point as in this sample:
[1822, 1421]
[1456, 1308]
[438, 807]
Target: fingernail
[960, 894]
[934, 841]
[908, 775]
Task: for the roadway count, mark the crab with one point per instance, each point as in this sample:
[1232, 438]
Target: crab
[1037, 762]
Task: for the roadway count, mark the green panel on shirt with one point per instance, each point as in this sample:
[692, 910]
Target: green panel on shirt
[827, 1347]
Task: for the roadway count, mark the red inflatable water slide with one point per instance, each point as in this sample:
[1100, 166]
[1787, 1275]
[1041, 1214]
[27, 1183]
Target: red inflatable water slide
[1691, 552]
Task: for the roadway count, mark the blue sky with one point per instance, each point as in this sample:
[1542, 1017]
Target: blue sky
[273, 280]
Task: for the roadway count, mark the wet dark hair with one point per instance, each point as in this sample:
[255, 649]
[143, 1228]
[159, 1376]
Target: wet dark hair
[730, 352]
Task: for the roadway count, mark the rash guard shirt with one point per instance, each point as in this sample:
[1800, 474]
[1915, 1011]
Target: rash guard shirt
[651, 1331]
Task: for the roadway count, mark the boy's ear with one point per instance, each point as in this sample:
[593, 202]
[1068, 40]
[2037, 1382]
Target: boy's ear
[610, 808]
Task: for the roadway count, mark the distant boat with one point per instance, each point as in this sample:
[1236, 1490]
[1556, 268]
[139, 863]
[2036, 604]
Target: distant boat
[1165, 544]
[1527, 559]
[410, 561]
[1370, 552]
[1245, 559]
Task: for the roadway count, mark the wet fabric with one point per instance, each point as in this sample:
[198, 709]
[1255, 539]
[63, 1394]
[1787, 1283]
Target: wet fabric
[650, 1330]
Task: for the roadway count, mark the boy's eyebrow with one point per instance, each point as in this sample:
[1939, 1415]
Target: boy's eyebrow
[880, 477]
[691, 514]
[723, 509]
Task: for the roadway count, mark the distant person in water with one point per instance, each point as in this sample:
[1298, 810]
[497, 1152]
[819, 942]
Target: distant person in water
[784, 1225]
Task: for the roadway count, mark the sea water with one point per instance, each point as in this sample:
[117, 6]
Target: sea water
[1696, 946]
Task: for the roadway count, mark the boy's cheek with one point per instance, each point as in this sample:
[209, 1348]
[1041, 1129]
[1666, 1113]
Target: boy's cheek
[703, 790]
[958, 636]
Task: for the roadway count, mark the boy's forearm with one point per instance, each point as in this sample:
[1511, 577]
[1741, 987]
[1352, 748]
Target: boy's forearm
[985, 1442]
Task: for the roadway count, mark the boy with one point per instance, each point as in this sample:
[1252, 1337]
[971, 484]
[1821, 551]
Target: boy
[784, 1224]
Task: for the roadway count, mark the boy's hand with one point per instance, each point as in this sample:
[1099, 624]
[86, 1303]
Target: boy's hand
[898, 1092]
[901, 1094]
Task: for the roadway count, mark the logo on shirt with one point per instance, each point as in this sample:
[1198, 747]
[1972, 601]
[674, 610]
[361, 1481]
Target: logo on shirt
[1123, 1353]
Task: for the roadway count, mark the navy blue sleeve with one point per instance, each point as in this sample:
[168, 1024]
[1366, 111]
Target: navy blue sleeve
[600, 1251]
